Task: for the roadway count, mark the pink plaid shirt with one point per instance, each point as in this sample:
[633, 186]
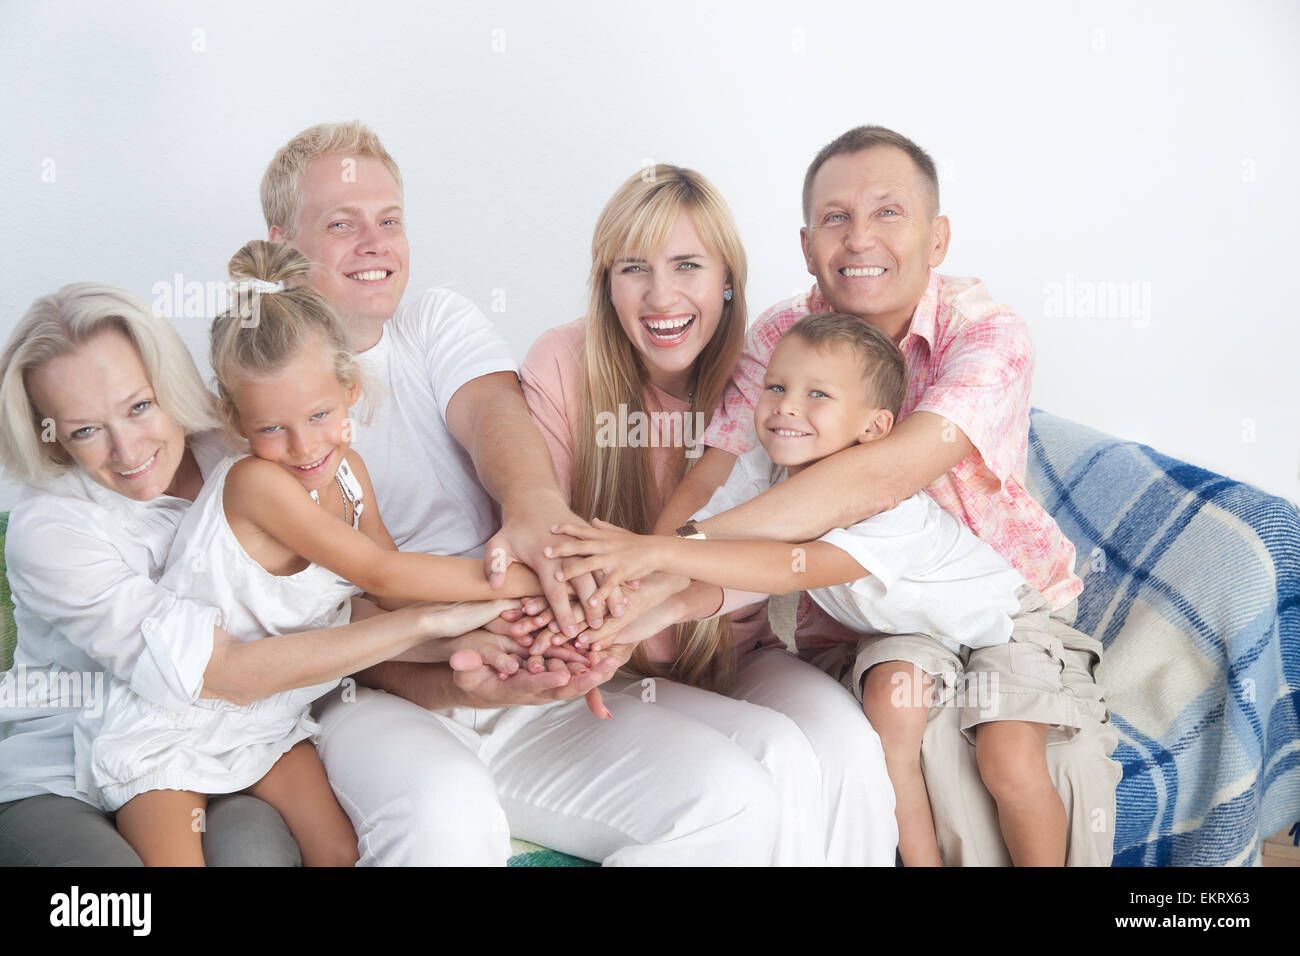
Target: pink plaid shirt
[969, 360]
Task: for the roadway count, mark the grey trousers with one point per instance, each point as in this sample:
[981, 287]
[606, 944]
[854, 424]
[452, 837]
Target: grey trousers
[50, 830]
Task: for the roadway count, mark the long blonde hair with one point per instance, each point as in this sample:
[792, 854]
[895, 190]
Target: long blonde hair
[615, 483]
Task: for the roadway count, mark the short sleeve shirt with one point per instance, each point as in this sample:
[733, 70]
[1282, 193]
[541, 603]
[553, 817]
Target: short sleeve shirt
[426, 487]
[969, 360]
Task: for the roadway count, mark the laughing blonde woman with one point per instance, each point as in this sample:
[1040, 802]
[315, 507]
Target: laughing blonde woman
[618, 395]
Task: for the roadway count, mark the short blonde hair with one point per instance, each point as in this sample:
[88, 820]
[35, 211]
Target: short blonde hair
[884, 371]
[60, 323]
[281, 193]
[286, 321]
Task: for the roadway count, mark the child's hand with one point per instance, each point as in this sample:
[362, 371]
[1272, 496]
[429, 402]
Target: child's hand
[497, 651]
[622, 556]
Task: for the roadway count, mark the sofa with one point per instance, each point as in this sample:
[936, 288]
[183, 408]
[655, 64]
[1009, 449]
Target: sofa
[1192, 583]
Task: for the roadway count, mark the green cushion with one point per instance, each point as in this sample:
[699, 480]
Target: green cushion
[8, 632]
[523, 853]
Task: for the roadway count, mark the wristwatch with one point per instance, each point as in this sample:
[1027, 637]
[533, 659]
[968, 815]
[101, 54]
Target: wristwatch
[690, 531]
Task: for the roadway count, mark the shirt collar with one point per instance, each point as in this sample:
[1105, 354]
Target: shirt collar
[925, 320]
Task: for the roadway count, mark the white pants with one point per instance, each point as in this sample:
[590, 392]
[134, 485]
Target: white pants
[649, 787]
[679, 776]
[825, 758]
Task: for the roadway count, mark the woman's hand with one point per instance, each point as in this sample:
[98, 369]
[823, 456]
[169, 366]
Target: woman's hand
[650, 609]
[622, 556]
[453, 620]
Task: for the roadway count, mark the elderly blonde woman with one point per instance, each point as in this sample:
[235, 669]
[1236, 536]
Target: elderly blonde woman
[105, 418]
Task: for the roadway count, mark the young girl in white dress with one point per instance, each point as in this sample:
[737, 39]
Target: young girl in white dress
[279, 541]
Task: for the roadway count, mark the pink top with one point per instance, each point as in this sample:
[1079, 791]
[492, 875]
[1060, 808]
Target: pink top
[971, 361]
[552, 375]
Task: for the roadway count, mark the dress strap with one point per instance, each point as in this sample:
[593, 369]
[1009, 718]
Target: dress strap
[347, 481]
[351, 489]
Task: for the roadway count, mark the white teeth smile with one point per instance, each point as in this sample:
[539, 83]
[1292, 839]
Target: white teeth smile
[787, 433]
[314, 464]
[135, 471]
[669, 328]
[853, 273]
[370, 275]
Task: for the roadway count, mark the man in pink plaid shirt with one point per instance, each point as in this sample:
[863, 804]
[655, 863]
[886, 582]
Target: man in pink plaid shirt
[872, 236]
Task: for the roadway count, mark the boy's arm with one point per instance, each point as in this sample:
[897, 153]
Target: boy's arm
[263, 495]
[849, 486]
[772, 567]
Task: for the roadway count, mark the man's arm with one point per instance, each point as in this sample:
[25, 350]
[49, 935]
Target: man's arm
[849, 486]
[489, 417]
[695, 489]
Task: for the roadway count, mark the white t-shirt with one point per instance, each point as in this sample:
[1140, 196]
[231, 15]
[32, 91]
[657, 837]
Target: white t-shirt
[927, 573]
[425, 484]
[83, 566]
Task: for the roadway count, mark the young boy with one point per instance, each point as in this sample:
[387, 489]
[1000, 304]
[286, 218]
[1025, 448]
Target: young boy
[941, 617]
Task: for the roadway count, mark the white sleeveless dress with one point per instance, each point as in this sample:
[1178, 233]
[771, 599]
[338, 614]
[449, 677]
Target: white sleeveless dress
[214, 746]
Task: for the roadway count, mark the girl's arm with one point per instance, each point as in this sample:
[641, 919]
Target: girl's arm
[264, 496]
[772, 567]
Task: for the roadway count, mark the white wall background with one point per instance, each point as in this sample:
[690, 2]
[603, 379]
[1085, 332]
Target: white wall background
[1079, 144]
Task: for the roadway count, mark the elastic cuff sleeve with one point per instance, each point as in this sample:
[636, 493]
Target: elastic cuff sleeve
[177, 648]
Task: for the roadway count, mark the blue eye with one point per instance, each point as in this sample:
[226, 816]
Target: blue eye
[141, 407]
[776, 388]
[818, 393]
[319, 415]
[269, 429]
[81, 433]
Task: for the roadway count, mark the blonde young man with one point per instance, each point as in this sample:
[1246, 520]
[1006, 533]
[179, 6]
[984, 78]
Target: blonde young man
[872, 237]
[436, 767]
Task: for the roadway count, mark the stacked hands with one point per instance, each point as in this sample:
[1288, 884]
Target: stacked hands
[568, 641]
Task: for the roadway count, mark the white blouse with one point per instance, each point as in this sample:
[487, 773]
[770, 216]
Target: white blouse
[83, 564]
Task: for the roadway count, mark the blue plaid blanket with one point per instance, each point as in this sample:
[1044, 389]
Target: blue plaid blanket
[1192, 582]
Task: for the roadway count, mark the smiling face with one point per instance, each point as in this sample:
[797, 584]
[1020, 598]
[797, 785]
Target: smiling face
[106, 417]
[872, 236]
[298, 417]
[669, 304]
[350, 226]
[815, 403]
